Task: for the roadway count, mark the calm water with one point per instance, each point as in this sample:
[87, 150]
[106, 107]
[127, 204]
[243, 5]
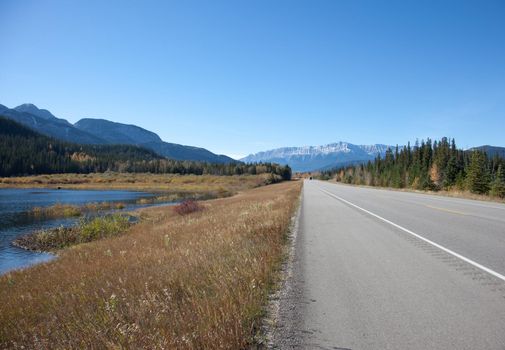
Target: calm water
[14, 221]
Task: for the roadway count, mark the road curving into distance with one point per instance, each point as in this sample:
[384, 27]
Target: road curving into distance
[379, 269]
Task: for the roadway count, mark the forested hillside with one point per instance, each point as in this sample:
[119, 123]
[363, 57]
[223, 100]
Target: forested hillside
[104, 132]
[23, 151]
[26, 152]
[430, 166]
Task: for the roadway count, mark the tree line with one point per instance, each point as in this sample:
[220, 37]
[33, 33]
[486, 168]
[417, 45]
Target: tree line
[428, 165]
[26, 152]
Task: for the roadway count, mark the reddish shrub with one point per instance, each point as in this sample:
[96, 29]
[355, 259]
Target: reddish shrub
[187, 207]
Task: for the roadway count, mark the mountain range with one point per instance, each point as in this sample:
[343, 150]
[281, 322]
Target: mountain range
[311, 158]
[105, 132]
[95, 131]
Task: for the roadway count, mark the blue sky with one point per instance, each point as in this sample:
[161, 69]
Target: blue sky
[239, 77]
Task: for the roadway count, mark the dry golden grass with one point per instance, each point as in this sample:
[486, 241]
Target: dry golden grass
[220, 186]
[455, 193]
[198, 281]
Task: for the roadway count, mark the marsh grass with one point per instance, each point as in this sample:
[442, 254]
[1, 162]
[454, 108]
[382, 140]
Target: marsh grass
[59, 210]
[198, 281]
[87, 230]
[201, 185]
[101, 227]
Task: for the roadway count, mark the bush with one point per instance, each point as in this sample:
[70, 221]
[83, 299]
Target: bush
[187, 207]
[103, 226]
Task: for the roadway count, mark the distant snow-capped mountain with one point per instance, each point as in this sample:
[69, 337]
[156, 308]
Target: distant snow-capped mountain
[310, 158]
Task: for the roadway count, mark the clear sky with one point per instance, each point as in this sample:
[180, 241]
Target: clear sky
[238, 77]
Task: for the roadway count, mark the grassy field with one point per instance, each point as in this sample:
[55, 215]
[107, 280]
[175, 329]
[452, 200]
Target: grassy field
[216, 186]
[196, 281]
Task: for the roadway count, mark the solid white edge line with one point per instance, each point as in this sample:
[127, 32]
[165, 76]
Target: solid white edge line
[459, 256]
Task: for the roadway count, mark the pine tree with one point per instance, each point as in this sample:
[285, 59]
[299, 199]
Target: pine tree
[477, 178]
[498, 185]
[451, 172]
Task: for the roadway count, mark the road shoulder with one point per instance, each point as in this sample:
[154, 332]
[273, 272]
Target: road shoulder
[283, 315]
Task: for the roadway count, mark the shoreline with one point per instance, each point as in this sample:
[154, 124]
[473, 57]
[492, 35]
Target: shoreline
[55, 239]
[19, 245]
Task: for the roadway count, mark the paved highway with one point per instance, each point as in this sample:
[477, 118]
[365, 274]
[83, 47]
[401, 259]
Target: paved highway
[379, 269]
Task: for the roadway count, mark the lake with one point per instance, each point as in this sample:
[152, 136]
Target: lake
[15, 204]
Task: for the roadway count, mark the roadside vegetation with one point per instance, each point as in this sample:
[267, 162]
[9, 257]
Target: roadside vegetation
[430, 166]
[194, 281]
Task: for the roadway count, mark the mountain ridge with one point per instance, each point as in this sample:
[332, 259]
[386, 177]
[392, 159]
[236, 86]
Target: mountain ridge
[32, 109]
[114, 132]
[491, 151]
[122, 133]
[102, 132]
[24, 151]
[52, 126]
[312, 158]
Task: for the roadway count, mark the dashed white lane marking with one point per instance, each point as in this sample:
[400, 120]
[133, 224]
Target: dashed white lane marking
[459, 256]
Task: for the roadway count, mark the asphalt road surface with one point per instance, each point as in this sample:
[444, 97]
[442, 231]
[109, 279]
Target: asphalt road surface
[378, 269]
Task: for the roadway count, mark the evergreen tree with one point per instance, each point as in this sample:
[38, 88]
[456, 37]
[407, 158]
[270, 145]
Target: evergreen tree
[498, 185]
[451, 172]
[477, 178]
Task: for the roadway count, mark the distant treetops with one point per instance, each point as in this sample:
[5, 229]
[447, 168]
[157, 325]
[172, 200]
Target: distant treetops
[429, 166]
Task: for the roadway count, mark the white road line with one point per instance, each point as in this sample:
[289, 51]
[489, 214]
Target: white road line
[471, 262]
